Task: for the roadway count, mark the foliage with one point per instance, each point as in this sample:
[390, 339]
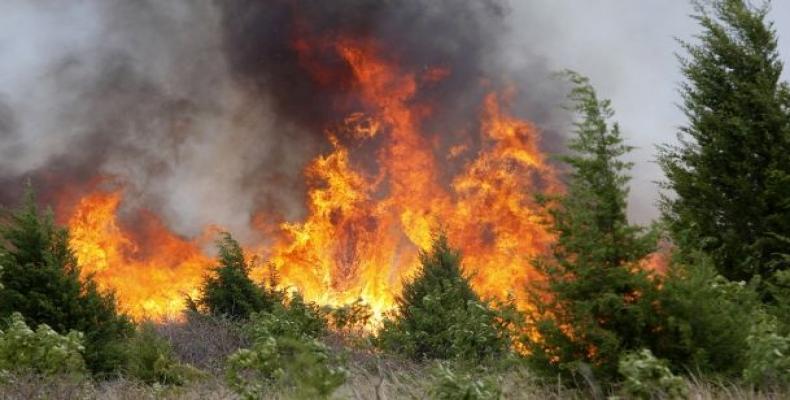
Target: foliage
[354, 316]
[778, 288]
[294, 318]
[229, 291]
[450, 385]
[730, 174]
[285, 354]
[596, 302]
[43, 351]
[647, 377]
[150, 359]
[439, 316]
[706, 318]
[42, 281]
[768, 355]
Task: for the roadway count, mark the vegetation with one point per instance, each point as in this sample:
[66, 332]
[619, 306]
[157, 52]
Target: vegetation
[706, 319]
[151, 359]
[41, 281]
[596, 302]
[42, 351]
[439, 316]
[730, 174]
[647, 377]
[229, 291]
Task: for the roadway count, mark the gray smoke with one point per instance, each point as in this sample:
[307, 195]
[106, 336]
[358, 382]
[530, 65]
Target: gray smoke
[202, 111]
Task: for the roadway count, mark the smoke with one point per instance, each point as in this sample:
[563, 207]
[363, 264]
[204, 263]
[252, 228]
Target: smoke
[204, 112]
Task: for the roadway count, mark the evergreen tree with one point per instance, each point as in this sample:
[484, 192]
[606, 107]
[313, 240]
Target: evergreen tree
[595, 302]
[731, 171]
[229, 291]
[42, 281]
[439, 316]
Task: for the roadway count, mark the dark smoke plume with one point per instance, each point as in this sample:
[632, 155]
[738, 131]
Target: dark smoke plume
[203, 111]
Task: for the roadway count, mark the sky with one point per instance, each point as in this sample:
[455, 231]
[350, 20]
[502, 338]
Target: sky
[627, 48]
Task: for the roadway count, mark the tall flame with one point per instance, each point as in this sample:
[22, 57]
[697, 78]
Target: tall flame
[363, 230]
[149, 283]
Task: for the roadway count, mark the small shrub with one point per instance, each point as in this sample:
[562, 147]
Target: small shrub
[647, 377]
[450, 385]
[228, 290]
[351, 317]
[301, 364]
[295, 318]
[150, 358]
[439, 316]
[768, 355]
[42, 351]
[706, 319]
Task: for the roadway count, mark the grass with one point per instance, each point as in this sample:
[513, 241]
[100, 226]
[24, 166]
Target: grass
[205, 343]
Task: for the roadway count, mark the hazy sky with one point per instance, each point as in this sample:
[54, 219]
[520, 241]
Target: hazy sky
[627, 49]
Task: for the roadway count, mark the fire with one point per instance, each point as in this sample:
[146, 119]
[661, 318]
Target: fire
[365, 225]
[362, 235]
[149, 282]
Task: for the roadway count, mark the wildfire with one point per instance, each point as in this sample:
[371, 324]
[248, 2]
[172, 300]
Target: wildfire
[364, 226]
[148, 283]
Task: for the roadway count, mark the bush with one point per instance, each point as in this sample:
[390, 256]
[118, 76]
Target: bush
[706, 319]
[42, 281]
[285, 354]
[647, 377]
[768, 355]
[43, 351]
[439, 316]
[150, 358]
[228, 290]
[450, 385]
[294, 318]
[351, 317]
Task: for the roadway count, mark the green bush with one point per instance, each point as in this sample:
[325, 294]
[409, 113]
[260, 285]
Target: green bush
[647, 377]
[351, 317]
[228, 290]
[285, 355]
[706, 319]
[150, 358]
[439, 316]
[294, 318]
[42, 351]
[42, 281]
[768, 355]
[450, 385]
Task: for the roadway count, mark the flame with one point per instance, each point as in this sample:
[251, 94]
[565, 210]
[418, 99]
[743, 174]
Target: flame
[148, 283]
[362, 233]
[364, 227]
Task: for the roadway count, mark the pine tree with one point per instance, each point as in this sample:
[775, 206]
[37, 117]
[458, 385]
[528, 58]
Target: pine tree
[595, 301]
[42, 281]
[439, 316]
[731, 171]
[229, 291]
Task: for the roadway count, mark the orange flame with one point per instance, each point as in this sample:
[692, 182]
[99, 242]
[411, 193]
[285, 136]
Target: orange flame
[150, 284]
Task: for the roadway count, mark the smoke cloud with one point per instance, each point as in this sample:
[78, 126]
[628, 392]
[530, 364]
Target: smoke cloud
[206, 114]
